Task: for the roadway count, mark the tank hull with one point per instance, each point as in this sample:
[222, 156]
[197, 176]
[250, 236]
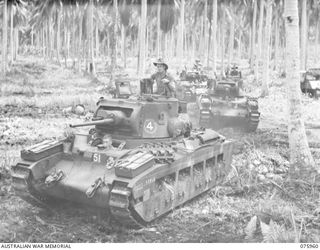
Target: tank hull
[247, 124]
[241, 113]
[143, 185]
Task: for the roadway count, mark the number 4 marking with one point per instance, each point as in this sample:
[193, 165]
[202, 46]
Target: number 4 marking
[150, 126]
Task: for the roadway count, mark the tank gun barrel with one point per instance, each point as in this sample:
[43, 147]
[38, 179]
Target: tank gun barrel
[98, 122]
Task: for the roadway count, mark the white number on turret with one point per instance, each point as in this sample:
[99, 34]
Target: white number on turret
[96, 158]
[150, 126]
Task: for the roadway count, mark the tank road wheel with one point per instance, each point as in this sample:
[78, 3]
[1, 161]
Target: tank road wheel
[253, 122]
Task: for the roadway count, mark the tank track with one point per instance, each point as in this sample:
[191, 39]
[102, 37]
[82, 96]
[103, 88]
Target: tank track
[120, 206]
[205, 117]
[253, 122]
[21, 181]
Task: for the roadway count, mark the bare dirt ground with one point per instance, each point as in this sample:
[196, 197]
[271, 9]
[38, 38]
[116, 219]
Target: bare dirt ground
[256, 204]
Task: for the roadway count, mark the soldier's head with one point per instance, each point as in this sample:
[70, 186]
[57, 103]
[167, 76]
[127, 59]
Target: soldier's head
[161, 65]
[234, 67]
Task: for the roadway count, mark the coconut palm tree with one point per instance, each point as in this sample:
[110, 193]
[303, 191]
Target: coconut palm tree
[302, 165]
[231, 18]
[303, 34]
[253, 34]
[125, 18]
[314, 22]
[167, 20]
[142, 42]
[4, 37]
[180, 46]
[259, 51]
[92, 68]
[214, 31]
[266, 50]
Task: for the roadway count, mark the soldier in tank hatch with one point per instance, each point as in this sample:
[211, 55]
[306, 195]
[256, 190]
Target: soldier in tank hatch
[164, 81]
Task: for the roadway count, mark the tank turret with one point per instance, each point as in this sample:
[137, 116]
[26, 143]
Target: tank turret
[227, 106]
[227, 89]
[149, 116]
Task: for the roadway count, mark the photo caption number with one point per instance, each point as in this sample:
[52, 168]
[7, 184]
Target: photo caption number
[96, 158]
[312, 245]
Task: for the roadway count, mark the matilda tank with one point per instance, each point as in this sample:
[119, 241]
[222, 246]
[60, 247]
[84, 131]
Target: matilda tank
[310, 82]
[225, 106]
[136, 159]
[192, 84]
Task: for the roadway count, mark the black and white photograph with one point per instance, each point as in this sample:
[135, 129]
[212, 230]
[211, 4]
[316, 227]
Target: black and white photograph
[159, 121]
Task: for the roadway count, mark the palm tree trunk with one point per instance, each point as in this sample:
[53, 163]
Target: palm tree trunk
[73, 35]
[209, 44]
[124, 52]
[200, 40]
[158, 29]
[240, 45]
[32, 37]
[142, 50]
[164, 40]
[68, 42]
[250, 43]
[193, 41]
[113, 41]
[97, 40]
[16, 39]
[65, 39]
[317, 38]
[50, 35]
[214, 31]
[259, 53]
[276, 41]
[253, 57]
[266, 51]
[302, 165]
[222, 39]
[90, 31]
[43, 42]
[11, 34]
[80, 51]
[205, 27]
[37, 37]
[138, 45]
[303, 35]
[231, 39]
[4, 38]
[181, 33]
[147, 42]
[58, 34]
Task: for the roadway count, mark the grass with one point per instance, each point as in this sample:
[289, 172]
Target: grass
[53, 102]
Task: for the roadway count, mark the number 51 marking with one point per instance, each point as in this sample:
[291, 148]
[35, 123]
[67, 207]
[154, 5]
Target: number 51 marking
[96, 158]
